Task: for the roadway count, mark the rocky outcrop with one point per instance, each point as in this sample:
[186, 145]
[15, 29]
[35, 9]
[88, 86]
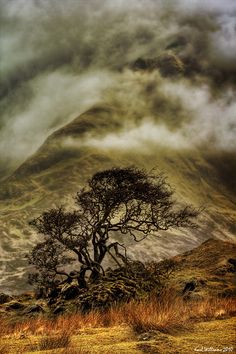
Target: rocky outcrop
[70, 291]
[106, 293]
[169, 64]
[15, 305]
[32, 309]
[4, 298]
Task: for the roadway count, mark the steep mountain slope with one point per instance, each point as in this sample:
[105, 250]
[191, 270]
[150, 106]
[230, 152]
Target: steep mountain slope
[72, 154]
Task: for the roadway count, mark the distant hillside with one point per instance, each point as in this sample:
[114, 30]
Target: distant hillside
[65, 161]
[210, 268]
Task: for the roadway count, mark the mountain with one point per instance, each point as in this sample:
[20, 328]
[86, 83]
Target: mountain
[73, 153]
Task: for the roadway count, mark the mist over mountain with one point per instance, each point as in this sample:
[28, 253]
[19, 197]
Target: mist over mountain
[58, 58]
[87, 85]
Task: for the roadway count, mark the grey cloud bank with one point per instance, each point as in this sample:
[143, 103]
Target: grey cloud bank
[58, 58]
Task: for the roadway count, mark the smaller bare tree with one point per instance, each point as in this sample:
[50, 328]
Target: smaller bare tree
[49, 258]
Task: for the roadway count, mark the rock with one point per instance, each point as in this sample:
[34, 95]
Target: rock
[232, 261]
[52, 301]
[70, 292]
[228, 267]
[4, 298]
[59, 310]
[53, 293]
[189, 286]
[147, 336]
[15, 305]
[33, 309]
[105, 293]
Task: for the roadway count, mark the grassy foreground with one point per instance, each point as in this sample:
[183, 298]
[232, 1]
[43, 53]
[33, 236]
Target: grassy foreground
[165, 325]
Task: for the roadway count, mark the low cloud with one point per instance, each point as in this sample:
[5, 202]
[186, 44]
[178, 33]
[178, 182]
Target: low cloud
[224, 44]
[58, 58]
[154, 112]
[57, 98]
[212, 121]
[141, 138]
[145, 137]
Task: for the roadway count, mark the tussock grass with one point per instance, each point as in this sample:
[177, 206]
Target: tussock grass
[62, 340]
[171, 313]
[166, 313]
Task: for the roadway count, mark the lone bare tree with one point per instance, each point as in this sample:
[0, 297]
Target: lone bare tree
[125, 201]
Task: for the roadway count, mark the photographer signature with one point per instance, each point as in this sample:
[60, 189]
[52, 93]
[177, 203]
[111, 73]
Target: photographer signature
[212, 349]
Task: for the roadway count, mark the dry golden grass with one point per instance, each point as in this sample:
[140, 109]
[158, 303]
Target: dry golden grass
[49, 342]
[173, 314]
[116, 327]
[168, 313]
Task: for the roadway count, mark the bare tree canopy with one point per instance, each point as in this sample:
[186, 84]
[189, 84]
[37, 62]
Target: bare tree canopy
[128, 201]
